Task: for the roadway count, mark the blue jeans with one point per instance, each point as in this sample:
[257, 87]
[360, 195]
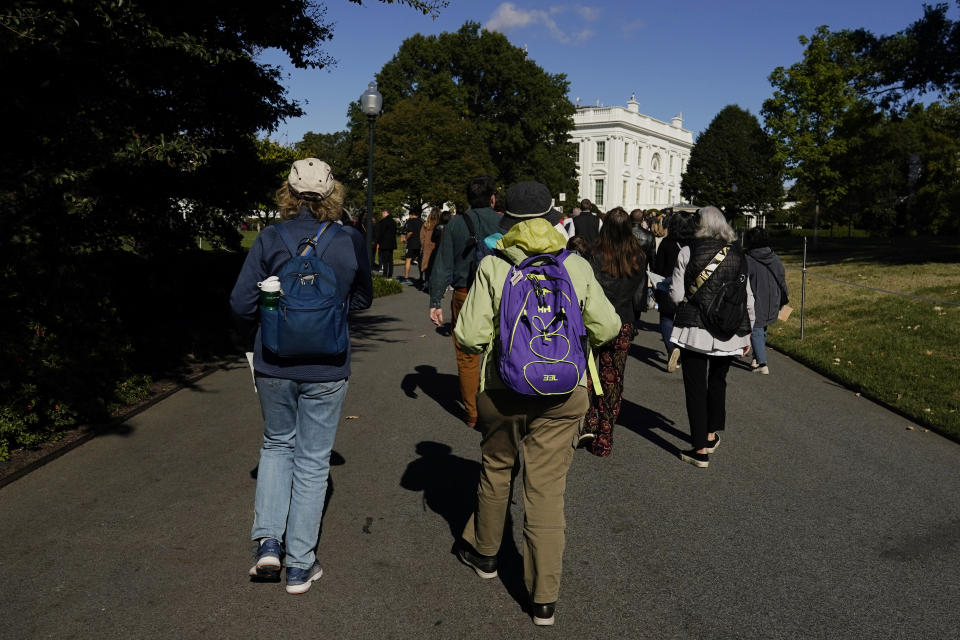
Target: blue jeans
[758, 341]
[300, 422]
[666, 328]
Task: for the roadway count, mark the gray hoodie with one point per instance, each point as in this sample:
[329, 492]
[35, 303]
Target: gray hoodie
[769, 285]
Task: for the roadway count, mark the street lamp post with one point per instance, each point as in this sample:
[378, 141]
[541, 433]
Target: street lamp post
[370, 103]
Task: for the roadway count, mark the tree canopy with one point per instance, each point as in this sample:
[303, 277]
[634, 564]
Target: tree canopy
[811, 98]
[521, 114]
[425, 154]
[733, 165]
[131, 125]
[860, 147]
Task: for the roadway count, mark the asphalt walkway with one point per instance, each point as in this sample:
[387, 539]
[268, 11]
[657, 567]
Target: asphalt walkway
[821, 516]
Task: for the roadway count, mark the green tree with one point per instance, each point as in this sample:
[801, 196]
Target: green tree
[811, 98]
[333, 148]
[522, 115]
[275, 161]
[921, 59]
[734, 150]
[131, 125]
[425, 153]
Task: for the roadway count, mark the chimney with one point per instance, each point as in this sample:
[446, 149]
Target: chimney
[632, 105]
[678, 120]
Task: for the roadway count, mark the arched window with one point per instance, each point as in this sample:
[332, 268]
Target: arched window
[655, 162]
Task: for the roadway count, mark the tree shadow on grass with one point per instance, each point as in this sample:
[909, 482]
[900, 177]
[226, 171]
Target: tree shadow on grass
[442, 388]
[645, 422]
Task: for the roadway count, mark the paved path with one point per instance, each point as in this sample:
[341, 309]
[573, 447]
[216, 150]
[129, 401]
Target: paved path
[821, 516]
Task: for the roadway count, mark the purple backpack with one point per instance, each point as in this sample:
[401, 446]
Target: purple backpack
[543, 341]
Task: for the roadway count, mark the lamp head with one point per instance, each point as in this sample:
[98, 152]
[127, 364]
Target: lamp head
[371, 101]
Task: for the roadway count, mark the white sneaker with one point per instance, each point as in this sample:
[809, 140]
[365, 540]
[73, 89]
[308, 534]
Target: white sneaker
[765, 370]
[674, 360]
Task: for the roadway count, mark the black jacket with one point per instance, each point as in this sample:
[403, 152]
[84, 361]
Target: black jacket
[621, 291]
[663, 264]
[385, 234]
[586, 226]
[701, 253]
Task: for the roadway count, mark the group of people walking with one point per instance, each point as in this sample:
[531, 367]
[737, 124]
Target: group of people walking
[482, 255]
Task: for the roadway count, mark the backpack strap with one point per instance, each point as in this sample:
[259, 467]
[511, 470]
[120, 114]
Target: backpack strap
[706, 273]
[323, 240]
[473, 235]
[319, 242]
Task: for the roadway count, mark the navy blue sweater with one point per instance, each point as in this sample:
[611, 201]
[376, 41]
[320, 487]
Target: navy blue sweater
[346, 254]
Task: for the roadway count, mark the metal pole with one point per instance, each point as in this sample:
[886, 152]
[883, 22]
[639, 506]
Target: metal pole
[803, 285]
[370, 217]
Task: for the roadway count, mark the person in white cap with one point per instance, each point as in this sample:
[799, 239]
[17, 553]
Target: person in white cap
[300, 397]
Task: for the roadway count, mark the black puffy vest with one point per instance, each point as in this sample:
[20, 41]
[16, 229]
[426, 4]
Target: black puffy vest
[701, 253]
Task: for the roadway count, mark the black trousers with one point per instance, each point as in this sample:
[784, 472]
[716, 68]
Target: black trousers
[705, 387]
[386, 262]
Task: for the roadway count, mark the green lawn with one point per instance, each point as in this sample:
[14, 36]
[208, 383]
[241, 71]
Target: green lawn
[900, 351]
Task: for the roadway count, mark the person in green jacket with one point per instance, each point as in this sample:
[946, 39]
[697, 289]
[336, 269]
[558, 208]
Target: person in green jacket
[545, 428]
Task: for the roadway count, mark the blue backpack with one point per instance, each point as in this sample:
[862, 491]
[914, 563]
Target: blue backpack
[311, 318]
[542, 344]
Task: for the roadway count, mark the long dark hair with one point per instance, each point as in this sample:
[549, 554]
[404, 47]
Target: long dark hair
[617, 250]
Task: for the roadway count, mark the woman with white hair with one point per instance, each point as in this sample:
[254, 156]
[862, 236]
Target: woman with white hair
[712, 268]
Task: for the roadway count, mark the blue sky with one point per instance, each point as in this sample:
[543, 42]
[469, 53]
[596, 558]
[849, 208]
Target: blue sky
[692, 57]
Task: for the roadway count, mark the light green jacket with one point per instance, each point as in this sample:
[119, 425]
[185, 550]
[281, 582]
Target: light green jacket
[479, 319]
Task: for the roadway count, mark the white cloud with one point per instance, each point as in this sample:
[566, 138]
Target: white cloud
[509, 16]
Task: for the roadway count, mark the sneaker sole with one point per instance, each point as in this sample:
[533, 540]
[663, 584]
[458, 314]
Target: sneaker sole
[694, 461]
[674, 362]
[303, 588]
[267, 568]
[716, 443]
[486, 575]
[544, 622]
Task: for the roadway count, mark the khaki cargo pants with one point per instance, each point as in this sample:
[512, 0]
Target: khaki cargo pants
[546, 431]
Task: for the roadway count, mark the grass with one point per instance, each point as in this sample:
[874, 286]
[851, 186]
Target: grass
[899, 351]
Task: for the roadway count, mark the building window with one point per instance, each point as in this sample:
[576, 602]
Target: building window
[638, 195]
[626, 150]
[655, 162]
[671, 165]
[670, 196]
[576, 151]
[639, 155]
[601, 151]
[598, 191]
[623, 198]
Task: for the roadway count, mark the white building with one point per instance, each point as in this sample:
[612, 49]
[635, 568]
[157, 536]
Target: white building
[628, 159]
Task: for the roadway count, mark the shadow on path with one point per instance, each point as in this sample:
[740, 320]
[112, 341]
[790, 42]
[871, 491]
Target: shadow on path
[644, 422]
[372, 327]
[449, 486]
[652, 357]
[442, 388]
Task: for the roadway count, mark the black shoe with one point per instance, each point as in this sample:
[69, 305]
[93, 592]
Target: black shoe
[543, 614]
[701, 460]
[485, 566]
[713, 444]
